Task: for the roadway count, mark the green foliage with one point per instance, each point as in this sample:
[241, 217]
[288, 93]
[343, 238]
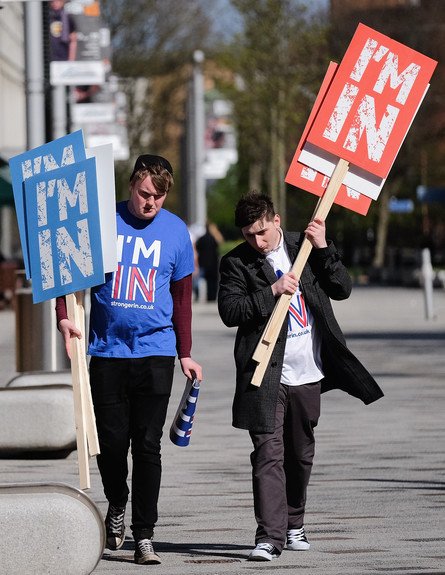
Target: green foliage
[221, 200]
[154, 37]
[277, 63]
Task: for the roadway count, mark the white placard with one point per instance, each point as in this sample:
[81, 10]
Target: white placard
[107, 203]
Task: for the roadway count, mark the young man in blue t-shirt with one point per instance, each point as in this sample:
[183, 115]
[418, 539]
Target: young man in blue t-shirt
[140, 320]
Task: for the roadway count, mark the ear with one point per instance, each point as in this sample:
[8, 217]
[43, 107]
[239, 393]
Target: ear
[277, 220]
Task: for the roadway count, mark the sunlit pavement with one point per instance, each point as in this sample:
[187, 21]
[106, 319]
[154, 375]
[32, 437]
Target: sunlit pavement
[376, 500]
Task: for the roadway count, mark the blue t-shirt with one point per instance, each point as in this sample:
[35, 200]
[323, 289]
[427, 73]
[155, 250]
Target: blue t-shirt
[131, 313]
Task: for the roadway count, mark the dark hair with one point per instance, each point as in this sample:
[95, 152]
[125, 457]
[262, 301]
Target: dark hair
[252, 207]
[147, 160]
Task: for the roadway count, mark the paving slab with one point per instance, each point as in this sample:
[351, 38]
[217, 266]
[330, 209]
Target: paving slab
[376, 500]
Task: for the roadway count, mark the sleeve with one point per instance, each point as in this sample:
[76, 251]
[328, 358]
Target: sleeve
[330, 272]
[185, 257]
[61, 312]
[181, 291]
[239, 302]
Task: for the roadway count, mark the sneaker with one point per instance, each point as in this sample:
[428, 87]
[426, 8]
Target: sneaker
[264, 552]
[145, 554]
[296, 540]
[115, 526]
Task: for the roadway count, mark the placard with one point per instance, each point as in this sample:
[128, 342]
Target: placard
[62, 214]
[51, 156]
[106, 195]
[371, 102]
[311, 180]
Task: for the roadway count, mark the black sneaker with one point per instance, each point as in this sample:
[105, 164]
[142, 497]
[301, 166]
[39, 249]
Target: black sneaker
[145, 554]
[296, 540]
[115, 526]
[264, 552]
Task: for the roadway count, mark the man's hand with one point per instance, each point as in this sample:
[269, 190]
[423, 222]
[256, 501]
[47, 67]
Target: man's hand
[68, 330]
[287, 284]
[191, 369]
[316, 233]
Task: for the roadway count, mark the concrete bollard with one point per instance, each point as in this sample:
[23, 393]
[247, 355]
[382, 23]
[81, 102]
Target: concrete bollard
[428, 277]
[49, 528]
[37, 419]
[31, 378]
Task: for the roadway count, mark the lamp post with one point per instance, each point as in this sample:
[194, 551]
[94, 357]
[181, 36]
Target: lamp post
[196, 208]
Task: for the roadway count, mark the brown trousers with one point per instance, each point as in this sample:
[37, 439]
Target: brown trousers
[282, 463]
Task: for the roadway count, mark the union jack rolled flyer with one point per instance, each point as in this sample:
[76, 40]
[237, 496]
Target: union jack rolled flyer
[181, 428]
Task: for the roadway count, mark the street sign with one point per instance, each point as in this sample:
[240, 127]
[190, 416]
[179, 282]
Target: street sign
[430, 195]
[401, 206]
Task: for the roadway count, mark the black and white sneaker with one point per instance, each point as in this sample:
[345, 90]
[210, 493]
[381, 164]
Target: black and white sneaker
[264, 552]
[115, 526]
[145, 554]
[296, 540]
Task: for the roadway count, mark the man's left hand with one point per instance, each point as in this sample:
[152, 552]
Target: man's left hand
[316, 233]
[191, 369]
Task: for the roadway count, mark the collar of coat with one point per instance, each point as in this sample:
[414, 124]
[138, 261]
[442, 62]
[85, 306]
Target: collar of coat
[293, 241]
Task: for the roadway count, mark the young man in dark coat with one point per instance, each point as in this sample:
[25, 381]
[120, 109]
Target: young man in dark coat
[310, 357]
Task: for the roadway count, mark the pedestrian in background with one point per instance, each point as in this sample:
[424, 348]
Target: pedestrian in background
[207, 248]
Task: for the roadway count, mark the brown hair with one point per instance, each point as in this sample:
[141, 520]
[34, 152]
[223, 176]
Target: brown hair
[161, 178]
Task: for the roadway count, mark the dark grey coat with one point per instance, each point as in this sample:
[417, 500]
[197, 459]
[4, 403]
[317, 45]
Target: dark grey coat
[246, 300]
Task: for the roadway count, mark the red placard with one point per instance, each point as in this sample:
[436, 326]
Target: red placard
[310, 179]
[371, 101]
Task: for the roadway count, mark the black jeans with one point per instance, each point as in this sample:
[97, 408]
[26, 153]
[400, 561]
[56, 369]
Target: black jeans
[130, 398]
[282, 463]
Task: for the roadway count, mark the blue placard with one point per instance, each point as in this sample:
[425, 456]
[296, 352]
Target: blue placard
[63, 230]
[61, 152]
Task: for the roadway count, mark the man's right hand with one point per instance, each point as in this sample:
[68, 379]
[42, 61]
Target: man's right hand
[286, 284]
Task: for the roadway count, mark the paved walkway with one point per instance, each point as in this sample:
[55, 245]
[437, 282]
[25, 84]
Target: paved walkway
[376, 501]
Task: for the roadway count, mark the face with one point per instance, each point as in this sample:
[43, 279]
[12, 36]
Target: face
[264, 236]
[145, 201]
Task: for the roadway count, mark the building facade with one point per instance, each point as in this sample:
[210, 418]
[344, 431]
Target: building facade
[12, 116]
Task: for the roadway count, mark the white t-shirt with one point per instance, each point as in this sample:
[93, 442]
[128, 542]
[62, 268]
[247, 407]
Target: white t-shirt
[302, 361]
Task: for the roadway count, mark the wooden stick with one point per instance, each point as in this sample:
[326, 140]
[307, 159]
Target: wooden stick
[87, 401]
[264, 349]
[81, 437]
[86, 434]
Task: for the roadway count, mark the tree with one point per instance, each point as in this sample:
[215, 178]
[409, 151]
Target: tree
[278, 62]
[153, 42]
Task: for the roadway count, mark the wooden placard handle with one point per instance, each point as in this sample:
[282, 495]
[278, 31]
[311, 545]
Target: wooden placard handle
[86, 433]
[263, 351]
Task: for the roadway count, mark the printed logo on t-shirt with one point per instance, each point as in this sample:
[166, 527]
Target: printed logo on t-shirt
[297, 310]
[129, 281]
[135, 283]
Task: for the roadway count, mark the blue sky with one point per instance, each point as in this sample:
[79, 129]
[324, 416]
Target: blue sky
[224, 16]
